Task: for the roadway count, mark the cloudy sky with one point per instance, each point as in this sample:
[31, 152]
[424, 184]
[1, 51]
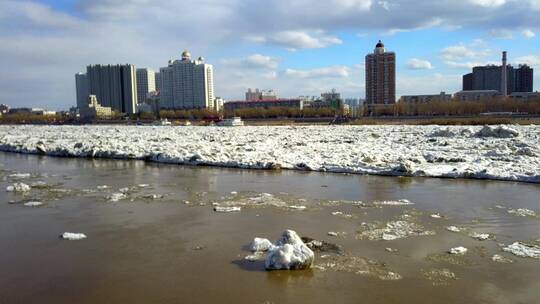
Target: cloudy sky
[297, 47]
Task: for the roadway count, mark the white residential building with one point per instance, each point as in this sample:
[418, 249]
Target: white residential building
[146, 82]
[187, 84]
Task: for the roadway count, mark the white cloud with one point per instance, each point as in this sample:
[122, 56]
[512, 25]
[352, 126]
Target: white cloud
[326, 72]
[255, 61]
[294, 40]
[419, 64]
[532, 60]
[489, 3]
[528, 33]
[501, 34]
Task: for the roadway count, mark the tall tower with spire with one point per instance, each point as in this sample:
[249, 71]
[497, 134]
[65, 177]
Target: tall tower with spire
[380, 77]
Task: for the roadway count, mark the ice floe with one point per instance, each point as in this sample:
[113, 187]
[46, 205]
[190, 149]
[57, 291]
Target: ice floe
[458, 250]
[524, 250]
[225, 209]
[453, 229]
[401, 202]
[33, 204]
[18, 187]
[115, 197]
[289, 253]
[392, 230]
[491, 152]
[501, 259]
[522, 212]
[70, 236]
[480, 236]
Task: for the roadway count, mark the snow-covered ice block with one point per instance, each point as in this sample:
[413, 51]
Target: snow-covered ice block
[290, 253]
[261, 244]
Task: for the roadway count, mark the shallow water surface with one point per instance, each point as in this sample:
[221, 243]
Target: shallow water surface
[161, 242]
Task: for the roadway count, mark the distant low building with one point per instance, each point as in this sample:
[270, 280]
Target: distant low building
[94, 110]
[425, 98]
[232, 106]
[4, 109]
[261, 95]
[525, 96]
[477, 95]
[35, 111]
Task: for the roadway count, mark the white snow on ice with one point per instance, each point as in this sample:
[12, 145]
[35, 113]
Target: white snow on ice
[501, 153]
[523, 250]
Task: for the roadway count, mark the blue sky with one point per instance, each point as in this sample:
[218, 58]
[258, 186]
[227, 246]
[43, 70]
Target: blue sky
[296, 47]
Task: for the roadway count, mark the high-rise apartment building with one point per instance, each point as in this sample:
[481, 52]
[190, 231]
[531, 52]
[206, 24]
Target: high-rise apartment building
[114, 86]
[158, 81]
[81, 85]
[523, 78]
[187, 84]
[146, 82]
[491, 77]
[380, 77]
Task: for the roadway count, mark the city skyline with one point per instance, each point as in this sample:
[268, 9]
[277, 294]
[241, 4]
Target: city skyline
[296, 58]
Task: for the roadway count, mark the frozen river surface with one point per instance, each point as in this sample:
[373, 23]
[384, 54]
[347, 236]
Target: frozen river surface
[498, 153]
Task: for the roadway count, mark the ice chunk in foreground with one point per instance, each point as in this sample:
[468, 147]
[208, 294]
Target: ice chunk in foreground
[227, 209]
[523, 250]
[70, 236]
[499, 132]
[261, 244]
[18, 187]
[33, 204]
[290, 253]
[458, 250]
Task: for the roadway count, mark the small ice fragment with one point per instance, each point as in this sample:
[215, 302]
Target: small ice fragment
[480, 236]
[234, 193]
[102, 187]
[390, 249]
[337, 213]
[458, 250]
[260, 244]
[401, 202]
[143, 185]
[331, 233]
[389, 237]
[227, 209]
[297, 207]
[33, 204]
[115, 197]
[124, 190]
[500, 259]
[73, 236]
[18, 187]
[256, 256]
[523, 250]
[522, 212]
[453, 229]
[19, 175]
[436, 215]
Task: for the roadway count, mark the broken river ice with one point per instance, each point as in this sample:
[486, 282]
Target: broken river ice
[508, 153]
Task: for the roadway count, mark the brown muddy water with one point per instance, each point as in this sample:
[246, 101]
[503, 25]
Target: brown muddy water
[176, 249]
